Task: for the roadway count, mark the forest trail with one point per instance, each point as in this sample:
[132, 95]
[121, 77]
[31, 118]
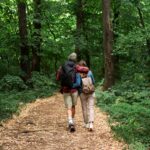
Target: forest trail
[41, 125]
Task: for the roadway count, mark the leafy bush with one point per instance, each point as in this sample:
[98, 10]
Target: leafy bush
[137, 146]
[39, 80]
[133, 122]
[15, 92]
[10, 82]
[105, 98]
[128, 104]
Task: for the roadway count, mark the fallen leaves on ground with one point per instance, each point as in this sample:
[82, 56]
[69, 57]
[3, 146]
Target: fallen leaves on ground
[42, 125]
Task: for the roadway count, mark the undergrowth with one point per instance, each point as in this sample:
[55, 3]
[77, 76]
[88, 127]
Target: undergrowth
[14, 92]
[128, 104]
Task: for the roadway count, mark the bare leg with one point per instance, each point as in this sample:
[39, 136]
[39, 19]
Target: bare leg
[73, 111]
[70, 119]
[69, 113]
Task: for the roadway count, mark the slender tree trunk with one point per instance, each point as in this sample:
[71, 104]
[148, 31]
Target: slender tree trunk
[87, 51]
[24, 48]
[147, 40]
[88, 58]
[116, 7]
[36, 48]
[143, 25]
[79, 26]
[108, 40]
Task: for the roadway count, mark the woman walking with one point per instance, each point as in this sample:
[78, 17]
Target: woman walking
[87, 94]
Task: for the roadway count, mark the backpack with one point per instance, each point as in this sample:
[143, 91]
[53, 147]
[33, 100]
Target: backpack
[68, 74]
[87, 85]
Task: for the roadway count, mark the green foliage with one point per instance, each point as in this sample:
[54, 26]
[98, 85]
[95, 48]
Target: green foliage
[128, 104]
[8, 83]
[133, 122]
[137, 146]
[39, 80]
[14, 92]
[105, 98]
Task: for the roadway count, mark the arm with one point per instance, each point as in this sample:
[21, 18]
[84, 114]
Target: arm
[58, 74]
[77, 81]
[90, 74]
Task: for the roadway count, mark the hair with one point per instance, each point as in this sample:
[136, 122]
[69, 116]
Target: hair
[72, 57]
[82, 63]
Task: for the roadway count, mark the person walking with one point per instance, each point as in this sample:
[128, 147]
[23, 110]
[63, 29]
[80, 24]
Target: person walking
[87, 94]
[67, 75]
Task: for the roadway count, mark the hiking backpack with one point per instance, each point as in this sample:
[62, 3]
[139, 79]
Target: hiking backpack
[87, 85]
[68, 74]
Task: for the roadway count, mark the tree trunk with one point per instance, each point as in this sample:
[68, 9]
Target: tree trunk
[79, 26]
[24, 48]
[88, 58]
[116, 12]
[108, 40]
[143, 25]
[36, 48]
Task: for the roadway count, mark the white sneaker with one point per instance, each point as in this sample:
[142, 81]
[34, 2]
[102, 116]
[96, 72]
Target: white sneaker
[73, 120]
[90, 126]
[70, 121]
[86, 125]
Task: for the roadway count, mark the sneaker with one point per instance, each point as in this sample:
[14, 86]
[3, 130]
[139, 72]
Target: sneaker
[70, 121]
[86, 125]
[91, 126]
[73, 120]
[72, 128]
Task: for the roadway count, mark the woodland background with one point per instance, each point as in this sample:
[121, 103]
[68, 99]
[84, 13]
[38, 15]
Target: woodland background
[112, 36]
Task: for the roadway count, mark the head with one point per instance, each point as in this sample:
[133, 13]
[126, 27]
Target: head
[72, 57]
[82, 63]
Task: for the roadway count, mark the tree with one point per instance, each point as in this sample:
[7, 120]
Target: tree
[107, 39]
[36, 46]
[116, 13]
[143, 25]
[79, 27]
[24, 48]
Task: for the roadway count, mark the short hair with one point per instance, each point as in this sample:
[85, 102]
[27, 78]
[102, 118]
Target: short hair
[73, 56]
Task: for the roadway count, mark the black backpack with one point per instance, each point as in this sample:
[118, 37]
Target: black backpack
[68, 74]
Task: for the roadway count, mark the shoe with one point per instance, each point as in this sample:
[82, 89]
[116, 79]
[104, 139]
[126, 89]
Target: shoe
[86, 125]
[90, 126]
[72, 128]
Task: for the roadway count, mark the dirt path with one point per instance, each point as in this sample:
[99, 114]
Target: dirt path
[42, 126]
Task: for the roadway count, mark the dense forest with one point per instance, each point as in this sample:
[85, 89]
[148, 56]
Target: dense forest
[112, 36]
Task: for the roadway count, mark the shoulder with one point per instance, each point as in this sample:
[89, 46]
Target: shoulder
[90, 73]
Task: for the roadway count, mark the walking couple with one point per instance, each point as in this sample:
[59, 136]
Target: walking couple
[77, 80]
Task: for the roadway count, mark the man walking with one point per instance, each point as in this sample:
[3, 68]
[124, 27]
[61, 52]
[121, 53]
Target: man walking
[67, 76]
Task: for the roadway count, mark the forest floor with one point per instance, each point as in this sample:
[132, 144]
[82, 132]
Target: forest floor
[41, 125]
